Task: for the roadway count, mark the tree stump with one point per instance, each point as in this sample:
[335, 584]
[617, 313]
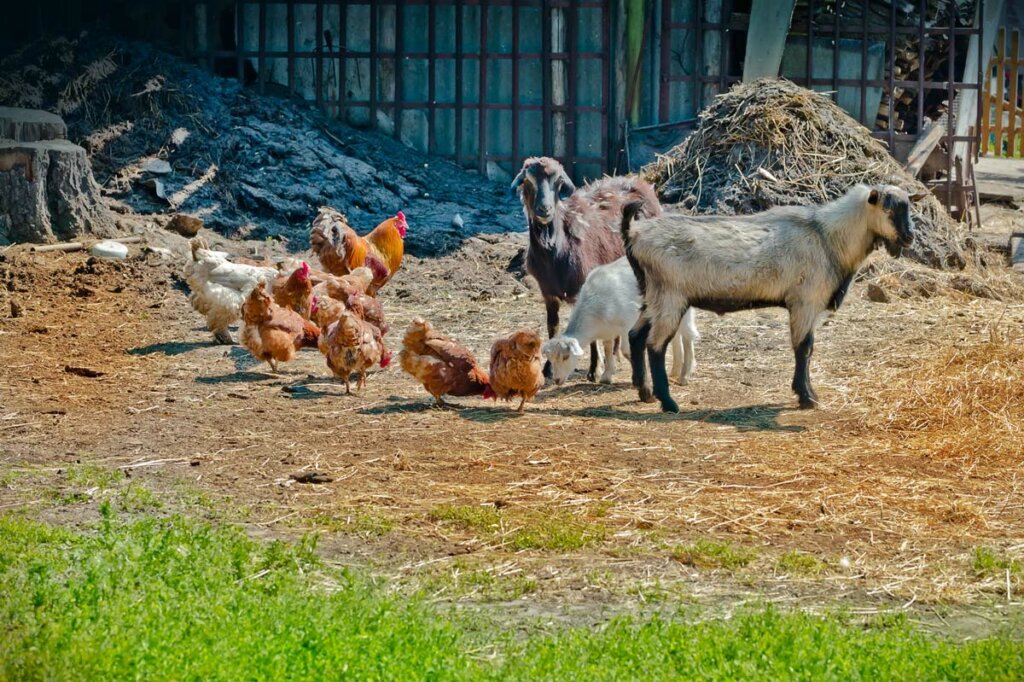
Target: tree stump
[31, 125]
[47, 190]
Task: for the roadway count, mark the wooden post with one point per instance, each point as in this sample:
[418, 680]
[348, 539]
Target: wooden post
[766, 39]
[967, 110]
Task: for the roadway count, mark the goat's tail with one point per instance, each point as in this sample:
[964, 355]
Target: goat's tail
[629, 212]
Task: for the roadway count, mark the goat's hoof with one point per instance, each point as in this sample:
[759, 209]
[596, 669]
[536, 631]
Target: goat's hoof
[591, 377]
[808, 402]
[605, 380]
[669, 405]
[646, 395]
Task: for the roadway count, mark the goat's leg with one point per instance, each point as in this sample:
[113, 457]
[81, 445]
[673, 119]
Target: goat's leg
[551, 304]
[801, 327]
[677, 358]
[609, 361]
[592, 372]
[689, 332]
[637, 342]
[662, 332]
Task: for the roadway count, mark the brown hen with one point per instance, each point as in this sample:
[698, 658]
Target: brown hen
[272, 333]
[352, 345]
[516, 367]
[294, 290]
[443, 366]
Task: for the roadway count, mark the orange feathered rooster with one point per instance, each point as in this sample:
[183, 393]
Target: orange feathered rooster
[341, 250]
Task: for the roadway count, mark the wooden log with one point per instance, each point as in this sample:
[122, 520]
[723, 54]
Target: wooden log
[47, 193]
[68, 247]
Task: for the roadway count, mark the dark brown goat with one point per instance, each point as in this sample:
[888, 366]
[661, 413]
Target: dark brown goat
[572, 232]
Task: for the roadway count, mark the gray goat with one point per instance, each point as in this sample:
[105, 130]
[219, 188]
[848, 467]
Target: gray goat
[801, 258]
[572, 231]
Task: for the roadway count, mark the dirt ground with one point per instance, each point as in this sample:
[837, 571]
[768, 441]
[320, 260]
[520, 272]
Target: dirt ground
[111, 390]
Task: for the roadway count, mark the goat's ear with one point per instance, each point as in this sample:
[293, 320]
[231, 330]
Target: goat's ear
[565, 186]
[918, 196]
[575, 349]
[873, 197]
[517, 181]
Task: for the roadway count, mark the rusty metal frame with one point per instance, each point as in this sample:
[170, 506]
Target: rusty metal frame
[336, 48]
[956, 184]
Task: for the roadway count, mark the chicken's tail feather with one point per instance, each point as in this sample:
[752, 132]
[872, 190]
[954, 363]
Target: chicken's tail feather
[310, 335]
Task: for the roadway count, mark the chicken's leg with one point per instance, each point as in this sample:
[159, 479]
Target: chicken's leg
[522, 405]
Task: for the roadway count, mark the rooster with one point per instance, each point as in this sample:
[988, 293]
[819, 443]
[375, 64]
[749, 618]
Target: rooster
[516, 367]
[219, 286]
[341, 250]
[295, 290]
[273, 333]
[442, 365]
[352, 345]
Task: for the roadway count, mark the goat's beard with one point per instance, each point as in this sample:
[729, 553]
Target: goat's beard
[893, 246]
[544, 233]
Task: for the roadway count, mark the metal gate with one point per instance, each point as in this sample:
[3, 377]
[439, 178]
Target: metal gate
[485, 83]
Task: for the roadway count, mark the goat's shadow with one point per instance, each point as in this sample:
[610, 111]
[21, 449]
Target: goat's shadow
[745, 418]
[171, 347]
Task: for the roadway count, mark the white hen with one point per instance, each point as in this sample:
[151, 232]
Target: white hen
[219, 287]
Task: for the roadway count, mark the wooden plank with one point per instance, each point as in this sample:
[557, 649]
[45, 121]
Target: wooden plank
[1017, 251]
[988, 22]
[926, 143]
[1011, 66]
[766, 38]
[1000, 60]
[986, 108]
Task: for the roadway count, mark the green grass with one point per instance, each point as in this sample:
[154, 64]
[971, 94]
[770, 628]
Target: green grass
[357, 523]
[799, 563]
[556, 530]
[137, 498]
[462, 580]
[166, 598]
[987, 562]
[475, 517]
[712, 554]
[93, 476]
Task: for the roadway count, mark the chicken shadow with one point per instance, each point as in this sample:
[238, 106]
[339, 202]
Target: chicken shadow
[170, 347]
[237, 377]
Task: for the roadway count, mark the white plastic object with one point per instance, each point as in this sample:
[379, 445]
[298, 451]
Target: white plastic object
[109, 249]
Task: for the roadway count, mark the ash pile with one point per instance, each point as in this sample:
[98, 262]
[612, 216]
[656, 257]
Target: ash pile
[772, 143]
[166, 137]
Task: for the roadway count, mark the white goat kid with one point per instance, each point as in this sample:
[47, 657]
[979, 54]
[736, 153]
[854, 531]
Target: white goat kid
[801, 258]
[606, 309]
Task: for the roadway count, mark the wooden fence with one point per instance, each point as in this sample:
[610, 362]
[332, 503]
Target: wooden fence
[1002, 127]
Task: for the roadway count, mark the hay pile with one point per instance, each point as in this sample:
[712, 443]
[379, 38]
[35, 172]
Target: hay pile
[772, 143]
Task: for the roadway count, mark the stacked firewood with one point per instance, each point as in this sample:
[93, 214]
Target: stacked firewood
[908, 66]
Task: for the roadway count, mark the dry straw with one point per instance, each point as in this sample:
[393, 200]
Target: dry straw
[772, 143]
